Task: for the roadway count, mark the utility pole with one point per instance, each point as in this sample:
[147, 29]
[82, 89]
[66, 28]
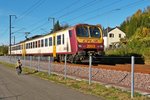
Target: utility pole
[53, 21]
[14, 39]
[10, 16]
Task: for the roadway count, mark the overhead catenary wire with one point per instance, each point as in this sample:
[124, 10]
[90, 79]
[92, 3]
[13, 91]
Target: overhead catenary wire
[67, 7]
[77, 8]
[61, 10]
[93, 16]
[116, 9]
[70, 12]
[38, 27]
[30, 9]
[92, 11]
[25, 13]
[75, 2]
[85, 5]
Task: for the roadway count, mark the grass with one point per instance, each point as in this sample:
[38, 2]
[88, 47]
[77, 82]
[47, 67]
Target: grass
[96, 89]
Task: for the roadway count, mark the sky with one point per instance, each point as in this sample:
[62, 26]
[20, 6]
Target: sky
[36, 16]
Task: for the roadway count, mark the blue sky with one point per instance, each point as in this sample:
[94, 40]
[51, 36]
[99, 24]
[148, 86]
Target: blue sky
[32, 15]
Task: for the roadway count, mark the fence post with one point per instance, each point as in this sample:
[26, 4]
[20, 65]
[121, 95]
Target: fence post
[90, 68]
[49, 65]
[65, 69]
[30, 60]
[38, 63]
[24, 60]
[132, 76]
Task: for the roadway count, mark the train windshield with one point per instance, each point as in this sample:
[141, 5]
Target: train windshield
[82, 31]
[95, 32]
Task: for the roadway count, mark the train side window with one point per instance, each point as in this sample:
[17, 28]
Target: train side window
[54, 41]
[26, 45]
[31, 45]
[58, 39]
[35, 44]
[42, 44]
[50, 41]
[70, 33]
[39, 43]
[63, 39]
[20, 47]
[46, 42]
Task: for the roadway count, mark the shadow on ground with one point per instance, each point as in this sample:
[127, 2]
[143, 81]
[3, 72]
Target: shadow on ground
[28, 73]
[113, 59]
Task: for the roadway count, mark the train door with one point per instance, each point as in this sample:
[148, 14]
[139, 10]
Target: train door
[54, 45]
[23, 49]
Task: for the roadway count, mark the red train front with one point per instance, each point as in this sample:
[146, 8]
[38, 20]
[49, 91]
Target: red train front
[85, 39]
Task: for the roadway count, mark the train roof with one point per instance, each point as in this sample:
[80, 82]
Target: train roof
[39, 36]
[31, 38]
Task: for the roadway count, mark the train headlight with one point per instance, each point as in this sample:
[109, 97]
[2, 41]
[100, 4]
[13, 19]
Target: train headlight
[98, 46]
[101, 46]
[80, 46]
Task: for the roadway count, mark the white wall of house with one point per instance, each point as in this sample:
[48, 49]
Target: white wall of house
[113, 36]
[105, 42]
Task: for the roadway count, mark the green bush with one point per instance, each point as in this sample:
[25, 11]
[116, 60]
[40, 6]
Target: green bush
[133, 47]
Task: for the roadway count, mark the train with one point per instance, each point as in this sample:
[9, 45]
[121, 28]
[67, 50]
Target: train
[77, 42]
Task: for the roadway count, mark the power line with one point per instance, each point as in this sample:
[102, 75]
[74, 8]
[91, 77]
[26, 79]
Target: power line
[70, 12]
[116, 9]
[39, 26]
[97, 15]
[89, 12]
[61, 10]
[30, 9]
[89, 3]
[18, 30]
[67, 7]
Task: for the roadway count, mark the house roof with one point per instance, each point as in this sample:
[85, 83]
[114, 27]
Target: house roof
[108, 29]
[105, 31]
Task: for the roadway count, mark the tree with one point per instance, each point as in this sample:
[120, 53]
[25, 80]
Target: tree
[137, 21]
[58, 27]
[3, 50]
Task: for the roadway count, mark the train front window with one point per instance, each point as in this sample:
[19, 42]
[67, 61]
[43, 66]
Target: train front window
[95, 32]
[82, 31]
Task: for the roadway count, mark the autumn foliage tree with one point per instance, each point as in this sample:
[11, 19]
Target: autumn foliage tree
[139, 22]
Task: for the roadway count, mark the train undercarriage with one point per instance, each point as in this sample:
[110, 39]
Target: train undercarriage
[80, 57]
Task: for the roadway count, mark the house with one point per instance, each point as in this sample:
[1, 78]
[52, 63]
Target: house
[112, 37]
